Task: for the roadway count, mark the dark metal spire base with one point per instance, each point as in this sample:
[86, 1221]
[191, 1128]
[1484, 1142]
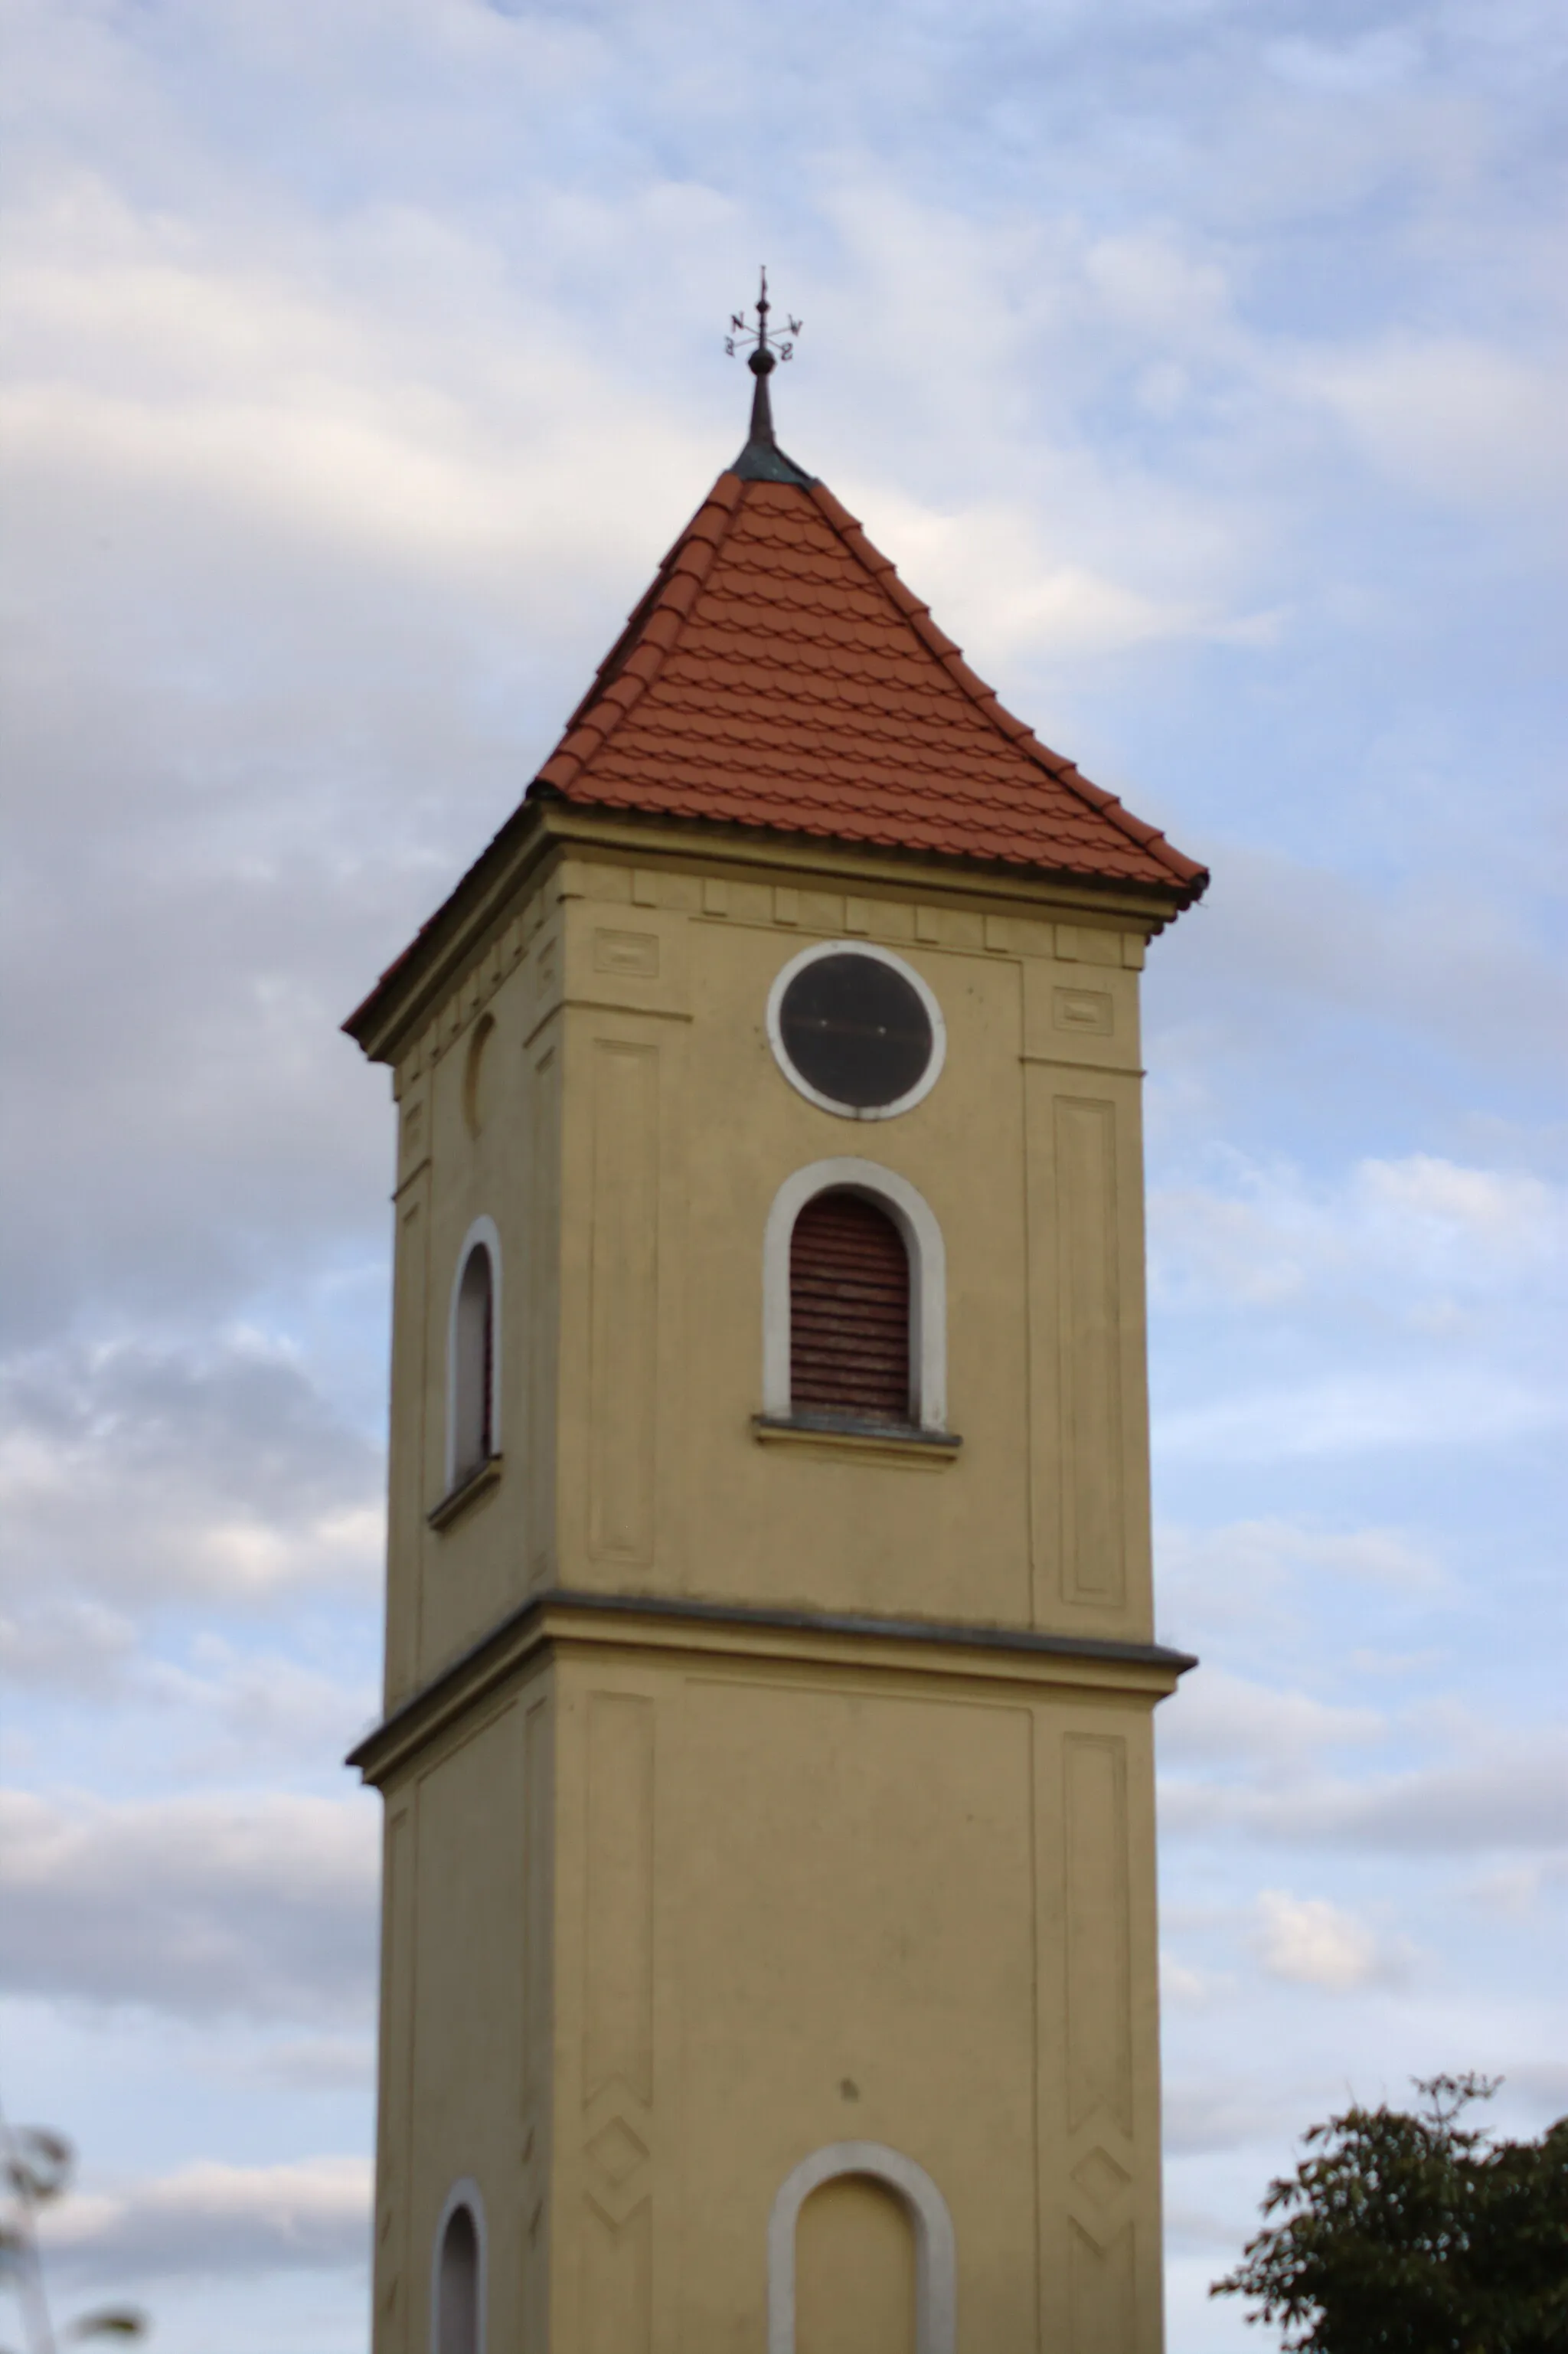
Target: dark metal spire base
[762, 461]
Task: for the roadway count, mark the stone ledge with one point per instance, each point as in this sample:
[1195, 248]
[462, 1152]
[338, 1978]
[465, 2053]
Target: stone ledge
[841, 1437]
[456, 1501]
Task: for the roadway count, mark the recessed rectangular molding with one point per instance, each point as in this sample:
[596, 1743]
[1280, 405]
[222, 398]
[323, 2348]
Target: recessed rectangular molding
[411, 1342]
[539, 1864]
[617, 2281]
[393, 2169]
[635, 954]
[618, 2023]
[1098, 1956]
[1102, 2293]
[1088, 1010]
[1092, 1532]
[543, 1294]
[623, 1301]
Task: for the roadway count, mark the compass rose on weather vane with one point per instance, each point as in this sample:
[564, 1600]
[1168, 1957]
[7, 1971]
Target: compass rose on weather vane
[767, 351]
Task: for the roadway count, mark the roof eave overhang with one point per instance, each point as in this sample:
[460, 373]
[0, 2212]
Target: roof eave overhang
[544, 824]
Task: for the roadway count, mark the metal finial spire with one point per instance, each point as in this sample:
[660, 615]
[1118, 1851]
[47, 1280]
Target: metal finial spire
[766, 354]
[762, 460]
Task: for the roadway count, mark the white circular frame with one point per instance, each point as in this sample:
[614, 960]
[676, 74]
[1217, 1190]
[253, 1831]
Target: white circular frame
[802, 1086]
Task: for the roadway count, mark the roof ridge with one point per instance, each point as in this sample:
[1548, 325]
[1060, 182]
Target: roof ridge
[624, 676]
[1018, 732]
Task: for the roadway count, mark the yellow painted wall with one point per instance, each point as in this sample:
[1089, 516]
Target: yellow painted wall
[670, 1904]
[627, 1076]
[721, 1913]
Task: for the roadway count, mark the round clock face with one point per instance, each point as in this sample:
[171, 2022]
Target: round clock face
[855, 1030]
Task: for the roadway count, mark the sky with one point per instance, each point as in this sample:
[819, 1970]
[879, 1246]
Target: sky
[1201, 361]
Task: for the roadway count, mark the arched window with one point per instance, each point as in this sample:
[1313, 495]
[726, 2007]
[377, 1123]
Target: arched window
[855, 2289]
[849, 1310]
[853, 1300]
[457, 2284]
[935, 2282]
[473, 1369]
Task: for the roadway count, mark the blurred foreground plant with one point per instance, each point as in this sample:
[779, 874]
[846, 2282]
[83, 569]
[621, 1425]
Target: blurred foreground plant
[36, 2167]
[1415, 2234]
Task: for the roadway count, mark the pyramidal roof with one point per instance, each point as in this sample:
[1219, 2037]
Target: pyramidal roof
[778, 673]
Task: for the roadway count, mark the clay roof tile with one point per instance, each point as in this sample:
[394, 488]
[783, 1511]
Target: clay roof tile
[778, 673]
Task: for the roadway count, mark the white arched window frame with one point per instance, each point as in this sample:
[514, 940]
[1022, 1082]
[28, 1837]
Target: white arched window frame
[480, 1235]
[936, 2266]
[916, 1221]
[462, 2195]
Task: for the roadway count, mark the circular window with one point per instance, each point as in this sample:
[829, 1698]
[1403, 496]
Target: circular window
[855, 1030]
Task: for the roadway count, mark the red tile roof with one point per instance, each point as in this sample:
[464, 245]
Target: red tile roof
[778, 673]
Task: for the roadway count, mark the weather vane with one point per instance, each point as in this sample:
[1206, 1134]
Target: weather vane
[767, 351]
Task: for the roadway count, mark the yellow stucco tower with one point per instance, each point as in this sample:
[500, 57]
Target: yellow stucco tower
[768, 1953]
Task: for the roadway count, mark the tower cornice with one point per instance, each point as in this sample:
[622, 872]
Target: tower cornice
[542, 831]
[851, 1643]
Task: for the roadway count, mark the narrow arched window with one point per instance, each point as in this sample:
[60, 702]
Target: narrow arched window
[458, 2271]
[849, 1310]
[473, 1366]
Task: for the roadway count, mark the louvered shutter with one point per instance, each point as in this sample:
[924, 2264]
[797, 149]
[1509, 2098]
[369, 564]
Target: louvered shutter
[849, 1310]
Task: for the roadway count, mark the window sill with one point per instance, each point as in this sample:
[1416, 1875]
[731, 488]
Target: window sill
[456, 1501]
[842, 1436]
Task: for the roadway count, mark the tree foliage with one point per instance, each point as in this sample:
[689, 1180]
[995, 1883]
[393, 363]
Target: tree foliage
[37, 2166]
[1414, 2233]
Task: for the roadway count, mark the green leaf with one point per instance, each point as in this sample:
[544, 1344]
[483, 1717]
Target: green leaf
[1415, 2234]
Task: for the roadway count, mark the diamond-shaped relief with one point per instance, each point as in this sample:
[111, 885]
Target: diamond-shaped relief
[616, 2150]
[1099, 2178]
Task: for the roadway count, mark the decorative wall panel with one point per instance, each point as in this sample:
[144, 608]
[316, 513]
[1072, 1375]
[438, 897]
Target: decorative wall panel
[618, 2026]
[618, 2281]
[538, 1973]
[618, 2023]
[411, 1341]
[1102, 2293]
[1089, 1310]
[542, 1276]
[623, 1303]
[1098, 1957]
[395, 2120]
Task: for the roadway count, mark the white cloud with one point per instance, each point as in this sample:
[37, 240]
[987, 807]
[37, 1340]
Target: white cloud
[216, 2219]
[1495, 1790]
[196, 1906]
[64, 1640]
[1195, 1989]
[1450, 945]
[1264, 1572]
[240, 1710]
[1216, 1716]
[1263, 1235]
[1455, 420]
[1217, 2112]
[318, 2063]
[148, 357]
[1370, 61]
[1461, 1406]
[129, 1473]
[1310, 1941]
[1001, 590]
[1515, 1890]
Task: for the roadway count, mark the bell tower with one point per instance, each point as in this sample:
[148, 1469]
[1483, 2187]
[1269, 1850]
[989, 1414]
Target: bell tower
[768, 1927]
